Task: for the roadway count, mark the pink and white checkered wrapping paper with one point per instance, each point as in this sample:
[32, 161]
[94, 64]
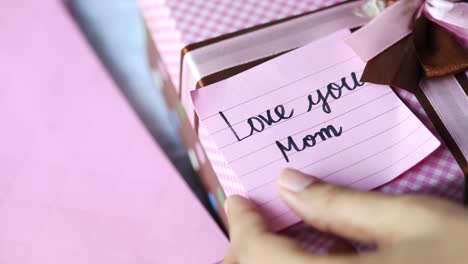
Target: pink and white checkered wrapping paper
[177, 23]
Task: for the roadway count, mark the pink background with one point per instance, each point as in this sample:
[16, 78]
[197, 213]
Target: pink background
[81, 180]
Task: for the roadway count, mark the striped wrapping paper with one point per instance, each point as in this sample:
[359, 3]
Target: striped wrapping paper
[173, 24]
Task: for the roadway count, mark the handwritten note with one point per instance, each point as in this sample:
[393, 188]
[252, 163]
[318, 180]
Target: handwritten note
[308, 110]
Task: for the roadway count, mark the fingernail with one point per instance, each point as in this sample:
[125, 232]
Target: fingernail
[294, 181]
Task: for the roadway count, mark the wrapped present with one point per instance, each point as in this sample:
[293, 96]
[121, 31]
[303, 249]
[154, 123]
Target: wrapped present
[203, 42]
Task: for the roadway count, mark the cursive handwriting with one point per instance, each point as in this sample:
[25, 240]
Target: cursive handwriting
[334, 91]
[260, 122]
[308, 140]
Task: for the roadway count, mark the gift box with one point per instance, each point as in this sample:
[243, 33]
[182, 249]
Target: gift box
[203, 42]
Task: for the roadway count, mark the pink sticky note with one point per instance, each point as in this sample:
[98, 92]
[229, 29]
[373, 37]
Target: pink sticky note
[81, 180]
[307, 110]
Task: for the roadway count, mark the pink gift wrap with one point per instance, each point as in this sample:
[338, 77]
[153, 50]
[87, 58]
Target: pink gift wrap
[175, 24]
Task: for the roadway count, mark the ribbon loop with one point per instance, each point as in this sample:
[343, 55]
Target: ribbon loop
[383, 31]
[426, 34]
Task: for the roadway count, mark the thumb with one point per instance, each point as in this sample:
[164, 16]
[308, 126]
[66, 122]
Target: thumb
[364, 216]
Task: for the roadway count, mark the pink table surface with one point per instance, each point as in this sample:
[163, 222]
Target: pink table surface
[81, 180]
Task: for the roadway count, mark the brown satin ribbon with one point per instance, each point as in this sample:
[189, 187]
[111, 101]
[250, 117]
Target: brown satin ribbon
[430, 51]
[438, 51]
[397, 66]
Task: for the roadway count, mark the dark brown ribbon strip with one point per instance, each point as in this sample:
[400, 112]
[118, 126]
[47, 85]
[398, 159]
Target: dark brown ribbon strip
[438, 51]
[439, 125]
[397, 66]
[229, 72]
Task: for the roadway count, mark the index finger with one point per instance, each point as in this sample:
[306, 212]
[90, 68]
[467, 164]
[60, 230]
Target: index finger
[364, 216]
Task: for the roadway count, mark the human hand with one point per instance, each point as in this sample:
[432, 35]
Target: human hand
[407, 229]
